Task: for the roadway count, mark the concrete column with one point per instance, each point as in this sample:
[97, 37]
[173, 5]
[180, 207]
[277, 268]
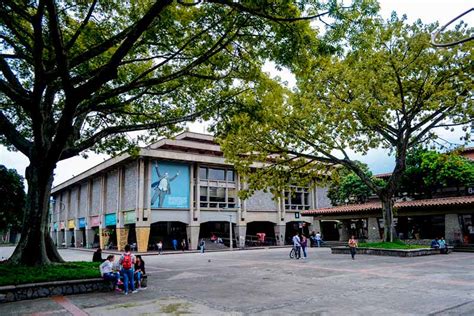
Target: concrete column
[90, 237]
[192, 231]
[103, 237]
[344, 230]
[197, 210]
[452, 229]
[143, 235]
[280, 231]
[241, 232]
[373, 229]
[191, 193]
[122, 237]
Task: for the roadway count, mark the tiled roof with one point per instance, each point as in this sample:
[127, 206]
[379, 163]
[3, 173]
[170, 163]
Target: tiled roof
[372, 206]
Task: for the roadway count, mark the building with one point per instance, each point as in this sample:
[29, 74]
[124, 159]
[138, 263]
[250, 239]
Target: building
[449, 214]
[179, 188]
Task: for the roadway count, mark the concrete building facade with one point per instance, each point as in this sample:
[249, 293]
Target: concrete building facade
[176, 189]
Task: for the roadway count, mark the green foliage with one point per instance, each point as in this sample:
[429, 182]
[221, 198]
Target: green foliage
[348, 188]
[12, 201]
[428, 171]
[17, 274]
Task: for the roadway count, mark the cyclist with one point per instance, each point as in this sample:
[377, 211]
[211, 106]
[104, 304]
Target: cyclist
[297, 245]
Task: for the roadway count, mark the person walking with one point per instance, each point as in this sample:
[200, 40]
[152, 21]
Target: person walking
[352, 246]
[175, 243]
[127, 261]
[159, 245]
[202, 245]
[304, 244]
[297, 245]
[183, 245]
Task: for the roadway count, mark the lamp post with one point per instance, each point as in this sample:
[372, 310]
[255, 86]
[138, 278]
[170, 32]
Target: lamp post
[230, 232]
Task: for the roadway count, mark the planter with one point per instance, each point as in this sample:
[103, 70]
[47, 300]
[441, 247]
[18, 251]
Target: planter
[12, 293]
[388, 252]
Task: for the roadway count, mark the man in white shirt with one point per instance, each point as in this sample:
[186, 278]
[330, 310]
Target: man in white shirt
[297, 245]
[318, 239]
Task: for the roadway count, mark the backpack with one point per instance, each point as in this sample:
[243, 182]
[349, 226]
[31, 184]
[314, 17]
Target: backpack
[127, 261]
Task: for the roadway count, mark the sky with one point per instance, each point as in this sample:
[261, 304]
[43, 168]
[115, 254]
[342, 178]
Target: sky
[378, 160]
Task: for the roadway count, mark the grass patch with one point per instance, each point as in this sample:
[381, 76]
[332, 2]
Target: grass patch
[175, 308]
[390, 245]
[15, 274]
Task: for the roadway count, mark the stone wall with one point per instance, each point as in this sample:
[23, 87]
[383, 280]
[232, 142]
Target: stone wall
[12, 293]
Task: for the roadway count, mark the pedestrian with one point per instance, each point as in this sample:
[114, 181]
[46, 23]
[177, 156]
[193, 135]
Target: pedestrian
[183, 245]
[139, 271]
[352, 246]
[318, 239]
[107, 272]
[304, 244]
[202, 245]
[159, 245]
[175, 244]
[127, 261]
[297, 245]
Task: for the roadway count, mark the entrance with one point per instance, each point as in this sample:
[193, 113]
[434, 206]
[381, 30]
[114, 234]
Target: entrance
[296, 227]
[466, 221]
[329, 230]
[260, 233]
[166, 232]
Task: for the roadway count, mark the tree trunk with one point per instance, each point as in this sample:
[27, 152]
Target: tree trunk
[387, 210]
[36, 246]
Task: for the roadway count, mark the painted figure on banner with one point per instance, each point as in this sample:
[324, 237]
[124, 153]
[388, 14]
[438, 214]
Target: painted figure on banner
[162, 187]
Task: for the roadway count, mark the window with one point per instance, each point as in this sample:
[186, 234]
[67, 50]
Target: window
[230, 175]
[202, 173]
[297, 199]
[216, 174]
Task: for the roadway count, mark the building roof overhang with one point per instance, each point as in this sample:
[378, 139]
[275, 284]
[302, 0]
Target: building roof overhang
[376, 206]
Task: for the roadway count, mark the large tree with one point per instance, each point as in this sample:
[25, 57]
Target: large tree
[389, 89]
[79, 75]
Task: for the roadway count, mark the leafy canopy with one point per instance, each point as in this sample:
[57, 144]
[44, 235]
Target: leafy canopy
[12, 203]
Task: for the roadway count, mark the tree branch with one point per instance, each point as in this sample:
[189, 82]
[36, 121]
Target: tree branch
[81, 27]
[13, 136]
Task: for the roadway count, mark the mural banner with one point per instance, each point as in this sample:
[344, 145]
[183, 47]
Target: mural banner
[129, 217]
[110, 219]
[82, 222]
[95, 221]
[71, 224]
[169, 185]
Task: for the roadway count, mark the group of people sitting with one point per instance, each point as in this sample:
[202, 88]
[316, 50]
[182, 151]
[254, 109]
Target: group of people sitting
[129, 267]
[440, 243]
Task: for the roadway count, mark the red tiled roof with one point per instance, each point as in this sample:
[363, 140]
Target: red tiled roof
[372, 206]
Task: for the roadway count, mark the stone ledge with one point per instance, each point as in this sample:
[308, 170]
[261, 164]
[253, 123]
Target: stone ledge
[12, 293]
[389, 252]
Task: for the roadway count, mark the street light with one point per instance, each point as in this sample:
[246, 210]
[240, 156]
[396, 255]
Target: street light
[230, 232]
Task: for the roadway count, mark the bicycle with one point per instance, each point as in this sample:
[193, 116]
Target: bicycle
[293, 253]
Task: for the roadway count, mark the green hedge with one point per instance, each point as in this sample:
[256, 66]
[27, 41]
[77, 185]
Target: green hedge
[14, 274]
[390, 245]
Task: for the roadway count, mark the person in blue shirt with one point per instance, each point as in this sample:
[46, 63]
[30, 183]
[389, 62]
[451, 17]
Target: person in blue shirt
[443, 246]
[435, 243]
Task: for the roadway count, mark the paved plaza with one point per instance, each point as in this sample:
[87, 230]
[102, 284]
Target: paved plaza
[268, 282]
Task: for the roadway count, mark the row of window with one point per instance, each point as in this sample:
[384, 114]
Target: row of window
[206, 173]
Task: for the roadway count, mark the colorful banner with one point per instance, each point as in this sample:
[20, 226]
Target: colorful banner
[61, 225]
[71, 224]
[82, 222]
[169, 185]
[129, 217]
[55, 226]
[95, 221]
[110, 219]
